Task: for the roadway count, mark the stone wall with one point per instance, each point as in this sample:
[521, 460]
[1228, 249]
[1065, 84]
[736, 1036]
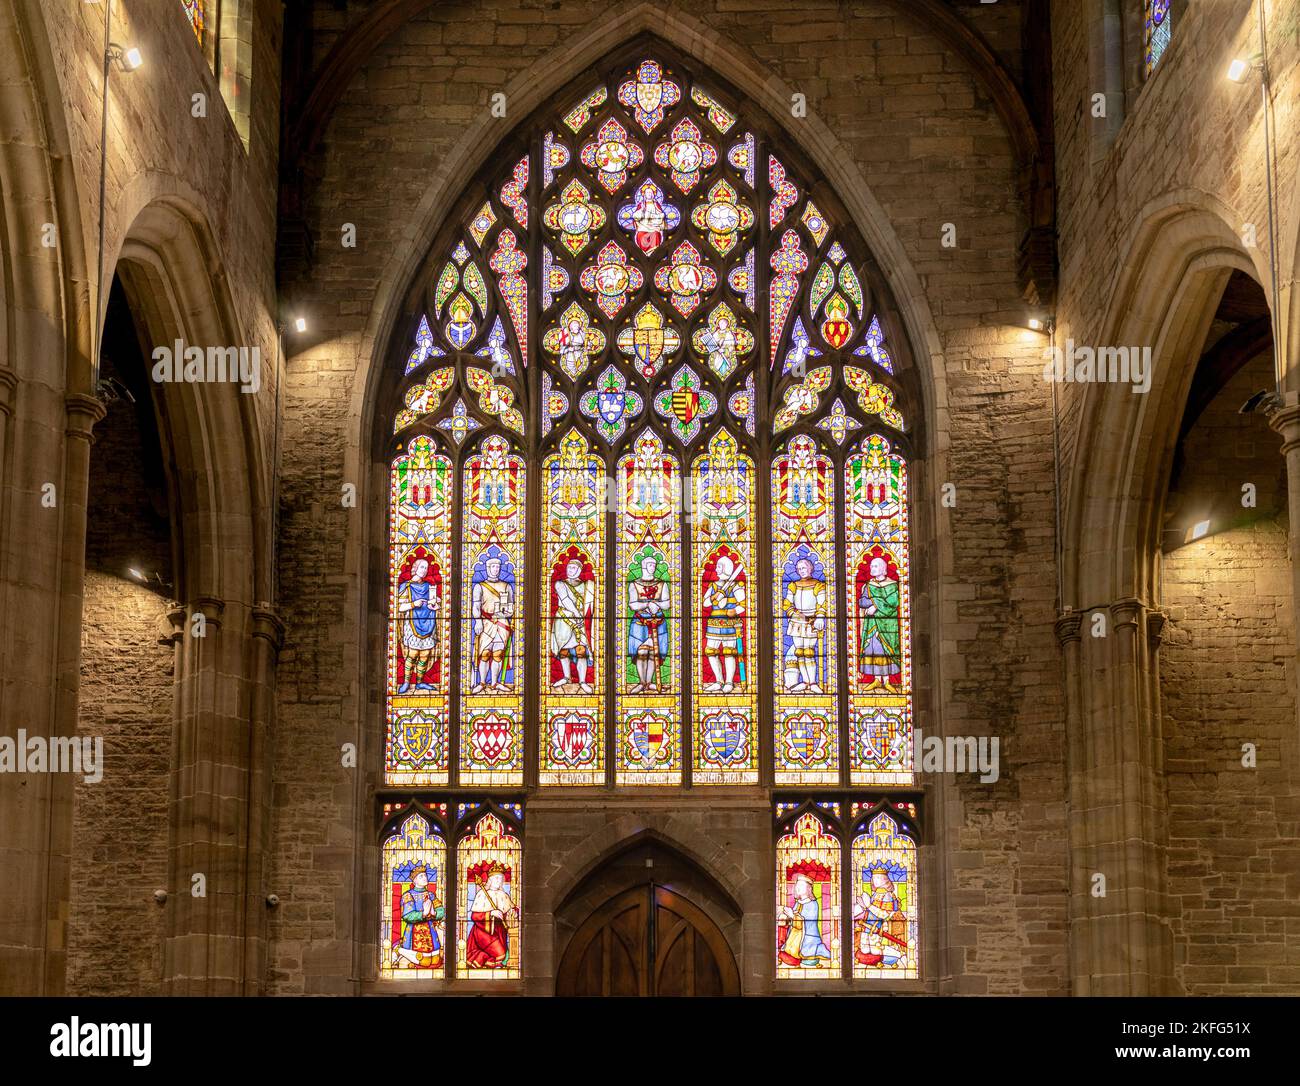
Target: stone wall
[120, 823]
[1187, 137]
[1228, 679]
[215, 193]
[1157, 207]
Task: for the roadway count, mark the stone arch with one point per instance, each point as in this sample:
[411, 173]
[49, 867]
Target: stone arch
[173, 275]
[1179, 254]
[622, 836]
[1177, 258]
[581, 880]
[174, 279]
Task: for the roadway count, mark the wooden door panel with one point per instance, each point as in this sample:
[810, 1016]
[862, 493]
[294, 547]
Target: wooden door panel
[628, 948]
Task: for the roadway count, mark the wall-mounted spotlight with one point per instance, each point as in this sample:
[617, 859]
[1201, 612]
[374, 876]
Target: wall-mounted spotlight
[152, 581]
[1265, 400]
[1199, 530]
[300, 324]
[1242, 67]
[1035, 324]
[128, 58]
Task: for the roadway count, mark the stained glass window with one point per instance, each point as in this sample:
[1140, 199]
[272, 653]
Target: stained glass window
[419, 563]
[885, 898]
[648, 601]
[196, 10]
[808, 901]
[448, 868]
[657, 391]
[413, 935]
[1157, 31]
[876, 575]
[492, 568]
[572, 744]
[489, 863]
[806, 709]
[866, 850]
[724, 631]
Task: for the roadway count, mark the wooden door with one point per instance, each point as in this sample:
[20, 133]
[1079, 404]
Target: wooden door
[648, 941]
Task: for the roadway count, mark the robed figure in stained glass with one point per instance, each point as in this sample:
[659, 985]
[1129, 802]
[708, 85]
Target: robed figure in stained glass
[649, 217]
[418, 598]
[805, 611]
[724, 625]
[880, 657]
[492, 609]
[421, 912]
[491, 911]
[573, 603]
[799, 923]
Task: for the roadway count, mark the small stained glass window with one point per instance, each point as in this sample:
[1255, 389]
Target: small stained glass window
[197, 12]
[1157, 31]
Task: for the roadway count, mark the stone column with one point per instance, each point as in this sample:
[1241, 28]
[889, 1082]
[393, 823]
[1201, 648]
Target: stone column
[204, 949]
[1286, 421]
[83, 411]
[268, 637]
[1120, 941]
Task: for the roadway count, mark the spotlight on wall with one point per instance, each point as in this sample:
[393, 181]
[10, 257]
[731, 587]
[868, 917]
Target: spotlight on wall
[300, 324]
[1264, 400]
[1035, 324]
[1241, 67]
[127, 58]
[152, 581]
[1199, 530]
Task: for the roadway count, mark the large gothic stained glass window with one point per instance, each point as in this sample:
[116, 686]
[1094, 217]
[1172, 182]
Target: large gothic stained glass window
[649, 484]
[649, 311]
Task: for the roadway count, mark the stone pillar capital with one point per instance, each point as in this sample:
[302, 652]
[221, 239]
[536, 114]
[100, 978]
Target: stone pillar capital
[1127, 611]
[210, 607]
[1286, 421]
[172, 627]
[1068, 627]
[83, 412]
[268, 626]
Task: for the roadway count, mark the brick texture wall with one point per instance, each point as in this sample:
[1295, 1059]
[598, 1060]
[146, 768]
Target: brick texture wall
[1227, 679]
[120, 822]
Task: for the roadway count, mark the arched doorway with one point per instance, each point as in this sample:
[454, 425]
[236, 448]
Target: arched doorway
[648, 941]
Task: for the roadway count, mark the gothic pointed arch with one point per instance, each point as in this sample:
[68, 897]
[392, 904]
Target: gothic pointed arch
[649, 427]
